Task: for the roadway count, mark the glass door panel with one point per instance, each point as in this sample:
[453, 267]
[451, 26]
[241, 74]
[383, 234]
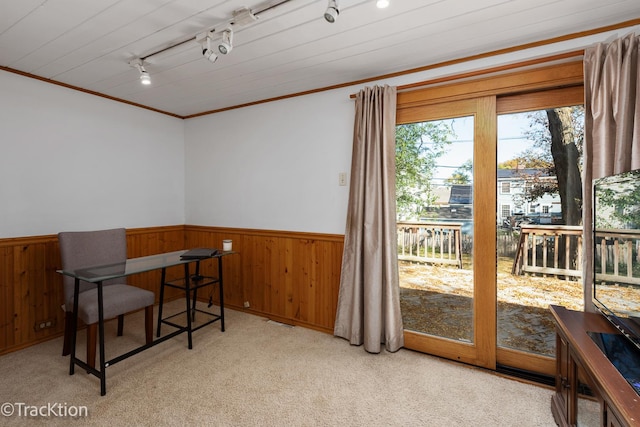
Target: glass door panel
[539, 226]
[435, 226]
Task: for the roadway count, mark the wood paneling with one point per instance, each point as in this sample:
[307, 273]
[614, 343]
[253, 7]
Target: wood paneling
[6, 297]
[151, 241]
[31, 291]
[289, 277]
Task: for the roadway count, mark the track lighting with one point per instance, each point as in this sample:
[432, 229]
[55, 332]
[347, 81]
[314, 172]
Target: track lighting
[207, 52]
[214, 42]
[226, 44]
[332, 12]
[381, 4]
[145, 78]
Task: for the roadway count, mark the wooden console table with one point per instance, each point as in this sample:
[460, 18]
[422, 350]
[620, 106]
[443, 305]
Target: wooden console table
[576, 355]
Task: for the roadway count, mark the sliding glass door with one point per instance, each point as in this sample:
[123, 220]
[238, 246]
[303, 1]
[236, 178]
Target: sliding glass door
[489, 232]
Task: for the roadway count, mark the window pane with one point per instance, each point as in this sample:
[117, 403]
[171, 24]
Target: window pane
[539, 242]
[434, 183]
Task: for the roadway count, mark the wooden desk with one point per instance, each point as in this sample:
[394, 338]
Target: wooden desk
[577, 352]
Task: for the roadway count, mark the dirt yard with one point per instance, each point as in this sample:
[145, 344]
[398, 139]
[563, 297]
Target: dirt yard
[438, 300]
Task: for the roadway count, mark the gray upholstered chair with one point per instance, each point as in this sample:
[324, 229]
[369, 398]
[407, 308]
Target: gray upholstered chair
[80, 249]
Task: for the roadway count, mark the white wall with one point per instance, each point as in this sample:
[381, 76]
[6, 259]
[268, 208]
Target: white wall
[74, 161]
[271, 166]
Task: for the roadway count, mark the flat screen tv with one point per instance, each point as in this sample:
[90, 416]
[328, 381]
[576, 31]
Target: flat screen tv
[616, 250]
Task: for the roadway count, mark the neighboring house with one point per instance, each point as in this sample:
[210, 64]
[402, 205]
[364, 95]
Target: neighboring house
[456, 201]
[452, 202]
[512, 202]
[451, 196]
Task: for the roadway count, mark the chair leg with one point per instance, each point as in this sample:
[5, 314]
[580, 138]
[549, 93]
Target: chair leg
[120, 324]
[68, 331]
[92, 334]
[148, 323]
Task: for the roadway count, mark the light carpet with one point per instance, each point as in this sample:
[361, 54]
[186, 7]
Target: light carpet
[261, 373]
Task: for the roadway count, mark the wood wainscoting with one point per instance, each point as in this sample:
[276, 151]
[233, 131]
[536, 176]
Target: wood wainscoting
[290, 277]
[31, 290]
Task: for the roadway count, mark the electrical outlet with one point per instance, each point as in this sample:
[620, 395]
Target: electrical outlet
[246, 304]
[44, 324]
[342, 179]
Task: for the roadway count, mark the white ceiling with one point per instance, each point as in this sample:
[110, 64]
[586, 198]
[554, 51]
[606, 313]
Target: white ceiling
[290, 48]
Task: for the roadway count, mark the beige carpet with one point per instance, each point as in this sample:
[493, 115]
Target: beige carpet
[260, 373]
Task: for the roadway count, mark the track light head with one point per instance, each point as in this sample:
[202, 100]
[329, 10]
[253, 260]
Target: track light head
[145, 78]
[209, 55]
[226, 44]
[207, 52]
[332, 12]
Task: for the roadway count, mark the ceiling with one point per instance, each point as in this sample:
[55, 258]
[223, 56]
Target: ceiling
[289, 49]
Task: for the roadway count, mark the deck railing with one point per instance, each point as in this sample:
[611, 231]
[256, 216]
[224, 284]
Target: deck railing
[430, 242]
[554, 250]
[615, 259]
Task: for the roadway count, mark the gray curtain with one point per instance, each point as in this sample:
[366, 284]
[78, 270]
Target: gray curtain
[369, 299]
[612, 124]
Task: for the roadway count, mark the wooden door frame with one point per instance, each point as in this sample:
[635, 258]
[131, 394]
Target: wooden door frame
[541, 87]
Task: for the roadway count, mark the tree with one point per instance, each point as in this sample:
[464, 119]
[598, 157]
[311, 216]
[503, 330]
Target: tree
[567, 161]
[418, 146]
[558, 134]
[462, 175]
[524, 162]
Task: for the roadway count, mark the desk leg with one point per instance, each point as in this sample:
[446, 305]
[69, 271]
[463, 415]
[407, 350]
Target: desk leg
[103, 374]
[187, 286]
[161, 301]
[74, 326]
[221, 294]
[196, 278]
